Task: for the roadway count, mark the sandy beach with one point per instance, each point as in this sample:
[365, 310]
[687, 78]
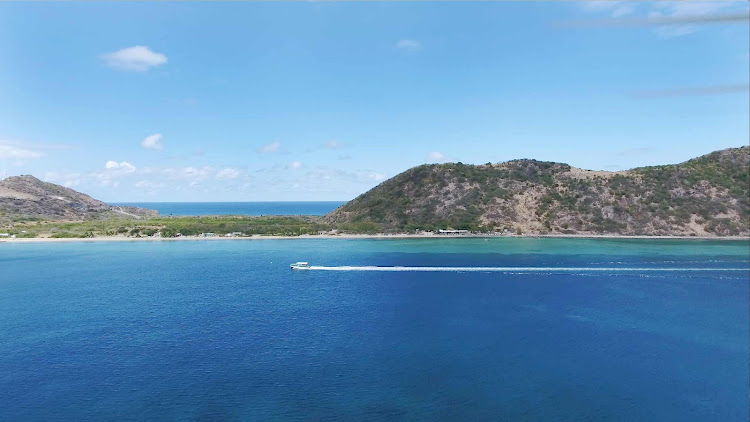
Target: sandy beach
[352, 236]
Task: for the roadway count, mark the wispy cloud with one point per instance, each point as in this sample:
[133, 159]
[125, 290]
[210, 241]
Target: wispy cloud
[321, 179]
[622, 11]
[436, 157]
[677, 18]
[145, 184]
[332, 144]
[193, 176]
[613, 8]
[138, 58]
[408, 45]
[693, 91]
[152, 179]
[17, 150]
[269, 148]
[228, 173]
[68, 179]
[656, 18]
[669, 18]
[152, 141]
[295, 165]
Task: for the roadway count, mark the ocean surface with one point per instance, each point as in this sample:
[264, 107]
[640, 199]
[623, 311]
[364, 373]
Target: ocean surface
[224, 330]
[239, 208]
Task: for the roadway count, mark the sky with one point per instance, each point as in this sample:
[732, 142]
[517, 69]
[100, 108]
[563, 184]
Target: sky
[296, 101]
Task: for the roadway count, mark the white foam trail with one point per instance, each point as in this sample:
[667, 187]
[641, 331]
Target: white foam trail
[514, 269]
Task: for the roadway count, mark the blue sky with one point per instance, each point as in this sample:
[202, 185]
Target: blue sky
[252, 101]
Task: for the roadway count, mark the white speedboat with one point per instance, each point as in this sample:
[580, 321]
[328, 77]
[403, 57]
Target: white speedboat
[300, 266]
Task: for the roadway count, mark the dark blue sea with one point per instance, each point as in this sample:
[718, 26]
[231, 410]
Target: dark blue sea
[239, 208]
[224, 330]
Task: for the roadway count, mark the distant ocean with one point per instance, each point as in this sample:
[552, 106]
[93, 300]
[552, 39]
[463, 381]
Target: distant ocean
[238, 208]
[223, 330]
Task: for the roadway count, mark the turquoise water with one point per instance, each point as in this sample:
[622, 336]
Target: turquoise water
[239, 208]
[223, 330]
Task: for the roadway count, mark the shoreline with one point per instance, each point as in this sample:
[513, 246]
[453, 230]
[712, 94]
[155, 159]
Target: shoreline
[381, 236]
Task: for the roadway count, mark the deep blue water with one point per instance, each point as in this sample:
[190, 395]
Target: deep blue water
[223, 330]
[239, 208]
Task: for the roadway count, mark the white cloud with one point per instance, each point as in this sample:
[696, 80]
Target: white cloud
[671, 31]
[332, 144]
[688, 8]
[227, 173]
[16, 150]
[122, 166]
[138, 59]
[145, 184]
[113, 171]
[295, 165]
[376, 177]
[63, 178]
[613, 8]
[192, 175]
[685, 91]
[668, 18]
[269, 148]
[322, 179]
[196, 172]
[596, 6]
[683, 9]
[623, 10]
[410, 45]
[152, 180]
[435, 157]
[152, 141]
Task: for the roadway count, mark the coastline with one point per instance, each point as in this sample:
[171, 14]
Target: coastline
[361, 236]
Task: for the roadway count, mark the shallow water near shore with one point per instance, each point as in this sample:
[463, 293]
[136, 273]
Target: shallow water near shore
[199, 330]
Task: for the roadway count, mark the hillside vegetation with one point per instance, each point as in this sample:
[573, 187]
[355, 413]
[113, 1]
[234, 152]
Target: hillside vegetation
[26, 198]
[704, 196]
[170, 226]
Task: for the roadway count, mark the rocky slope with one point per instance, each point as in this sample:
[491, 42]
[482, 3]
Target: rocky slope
[26, 198]
[705, 196]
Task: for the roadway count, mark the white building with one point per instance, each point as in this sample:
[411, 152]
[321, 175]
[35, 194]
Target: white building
[441, 231]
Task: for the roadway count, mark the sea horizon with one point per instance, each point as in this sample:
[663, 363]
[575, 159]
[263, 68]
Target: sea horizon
[185, 208]
[213, 202]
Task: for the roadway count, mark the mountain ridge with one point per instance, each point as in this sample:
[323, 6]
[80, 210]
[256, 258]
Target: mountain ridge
[704, 196]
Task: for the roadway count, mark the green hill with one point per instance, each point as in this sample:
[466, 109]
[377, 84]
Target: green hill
[705, 196]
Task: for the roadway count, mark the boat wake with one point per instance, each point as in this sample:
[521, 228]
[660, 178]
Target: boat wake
[517, 269]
